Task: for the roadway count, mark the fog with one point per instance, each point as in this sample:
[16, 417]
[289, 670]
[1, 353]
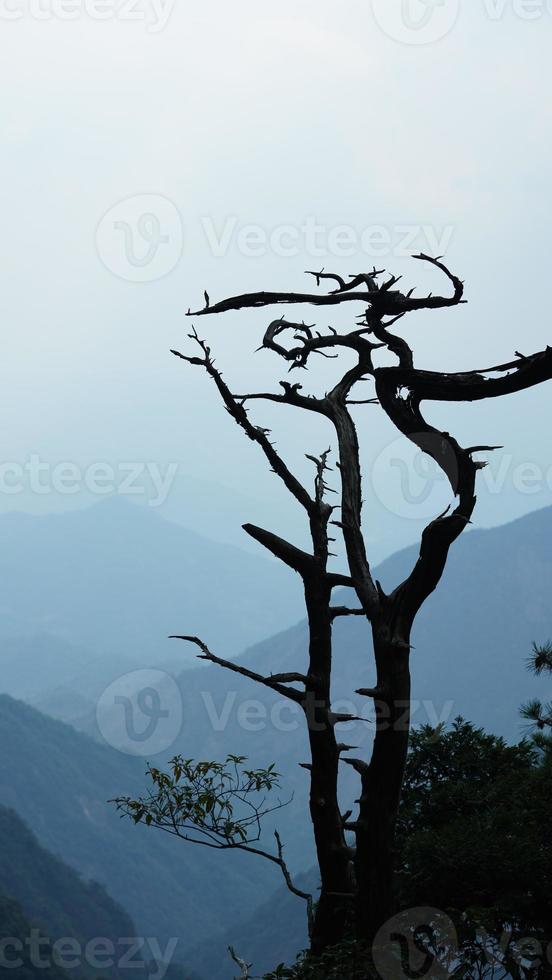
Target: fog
[155, 150]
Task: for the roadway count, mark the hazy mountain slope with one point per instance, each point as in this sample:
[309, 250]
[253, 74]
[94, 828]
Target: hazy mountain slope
[59, 782]
[275, 934]
[117, 579]
[471, 641]
[15, 925]
[53, 894]
[471, 638]
[30, 665]
[62, 679]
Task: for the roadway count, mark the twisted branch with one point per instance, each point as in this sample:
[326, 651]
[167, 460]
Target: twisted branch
[382, 299]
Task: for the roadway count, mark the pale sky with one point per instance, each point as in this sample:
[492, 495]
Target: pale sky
[274, 138]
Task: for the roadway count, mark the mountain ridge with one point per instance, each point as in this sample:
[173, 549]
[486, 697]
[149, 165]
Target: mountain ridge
[119, 579]
[52, 894]
[59, 782]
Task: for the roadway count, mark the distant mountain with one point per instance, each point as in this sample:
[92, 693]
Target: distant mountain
[118, 579]
[64, 680]
[53, 895]
[15, 926]
[31, 665]
[275, 933]
[59, 781]
[471, 641]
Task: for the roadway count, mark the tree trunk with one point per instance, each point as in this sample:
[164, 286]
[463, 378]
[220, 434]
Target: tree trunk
[382, 784]
[333, 910]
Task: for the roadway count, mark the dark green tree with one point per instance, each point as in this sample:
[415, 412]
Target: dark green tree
[536, 712]
[475, 840]
[474, 849]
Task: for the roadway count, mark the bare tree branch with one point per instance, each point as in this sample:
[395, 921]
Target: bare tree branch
[300, 561]
[244, 967]
[239, 414]
[338, 611]
[289, 882]
[384, 300]
[351, 487]
[503, 379]
[287, 692]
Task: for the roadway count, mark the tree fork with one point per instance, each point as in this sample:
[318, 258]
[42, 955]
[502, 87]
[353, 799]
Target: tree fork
[400, 390]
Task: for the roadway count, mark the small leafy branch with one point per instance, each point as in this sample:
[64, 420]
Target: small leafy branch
[217, 804]
[540, 660]
[537, 713]
[214, 803]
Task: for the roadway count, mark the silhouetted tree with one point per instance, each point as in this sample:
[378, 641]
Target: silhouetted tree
[475, 840]
[475, 869]
[360, 880]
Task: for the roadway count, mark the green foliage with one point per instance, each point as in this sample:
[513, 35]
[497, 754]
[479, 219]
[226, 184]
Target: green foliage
[475, 841]
[537, 713]
[475, 837]
[348, 960]
[216, 803]
[541, 658]
[154, 880]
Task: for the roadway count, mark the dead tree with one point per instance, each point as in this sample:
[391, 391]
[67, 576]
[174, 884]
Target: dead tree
[313, 693]
[400, 391]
